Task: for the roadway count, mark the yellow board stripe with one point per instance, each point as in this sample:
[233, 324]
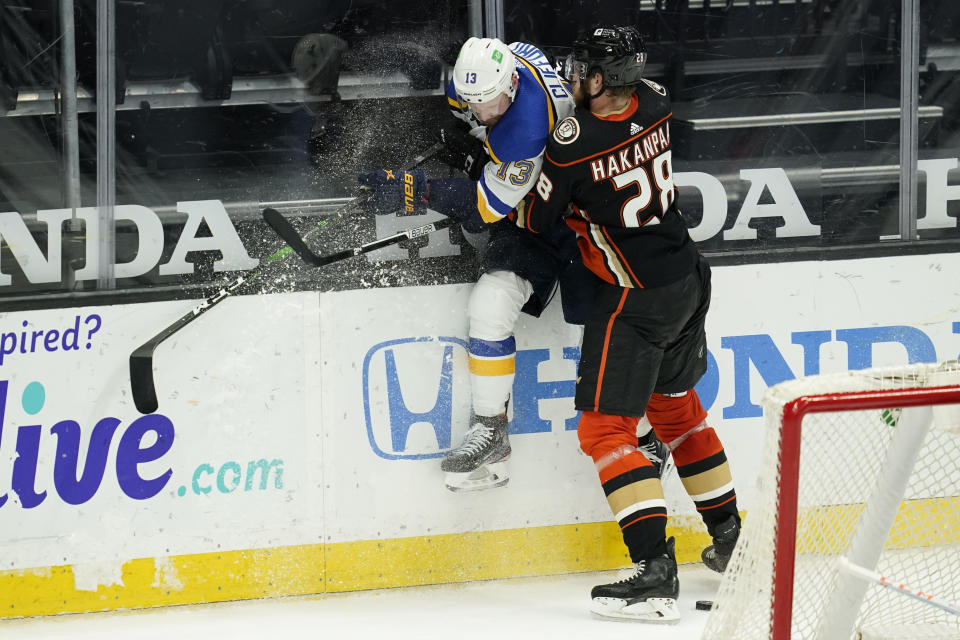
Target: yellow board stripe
[345, 566]
[400, 562]
[207, 577]
[909, 528]
[503, 367]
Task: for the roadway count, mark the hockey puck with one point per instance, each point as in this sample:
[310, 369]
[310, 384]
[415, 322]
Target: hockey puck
[704, 605]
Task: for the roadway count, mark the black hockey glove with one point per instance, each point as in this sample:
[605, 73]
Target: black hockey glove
[396, 191]
[462, 151]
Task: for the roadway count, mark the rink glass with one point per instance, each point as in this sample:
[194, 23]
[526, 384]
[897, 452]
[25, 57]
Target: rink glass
[787, 132]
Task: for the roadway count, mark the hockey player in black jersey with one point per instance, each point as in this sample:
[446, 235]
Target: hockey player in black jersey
[508, 99]
[644, 345]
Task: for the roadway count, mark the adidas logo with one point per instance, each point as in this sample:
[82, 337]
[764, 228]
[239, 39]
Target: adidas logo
[635, 128]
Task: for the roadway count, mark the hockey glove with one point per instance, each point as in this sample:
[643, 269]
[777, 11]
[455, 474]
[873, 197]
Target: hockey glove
[463, 151]
[396, 191]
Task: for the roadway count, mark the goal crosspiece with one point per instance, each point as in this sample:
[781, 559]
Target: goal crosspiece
[859, 482]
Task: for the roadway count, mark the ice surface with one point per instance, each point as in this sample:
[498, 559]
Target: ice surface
[529, 608]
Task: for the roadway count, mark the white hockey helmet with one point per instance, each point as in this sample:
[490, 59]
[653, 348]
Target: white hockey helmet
[485, 69]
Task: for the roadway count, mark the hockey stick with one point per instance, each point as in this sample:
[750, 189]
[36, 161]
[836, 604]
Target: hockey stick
[141, 360]
[286, 231]
[142, 384]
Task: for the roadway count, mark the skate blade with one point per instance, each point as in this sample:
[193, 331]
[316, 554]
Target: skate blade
[655, 610]
[489, 476]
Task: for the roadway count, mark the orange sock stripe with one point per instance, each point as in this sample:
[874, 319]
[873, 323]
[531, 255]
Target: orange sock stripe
[714, 506]
[652, 515]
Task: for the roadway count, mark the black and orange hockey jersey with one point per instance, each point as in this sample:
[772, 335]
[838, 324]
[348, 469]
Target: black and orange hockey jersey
[613, 176]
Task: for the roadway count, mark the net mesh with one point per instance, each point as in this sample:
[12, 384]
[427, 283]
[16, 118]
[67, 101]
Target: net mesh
[842, 457]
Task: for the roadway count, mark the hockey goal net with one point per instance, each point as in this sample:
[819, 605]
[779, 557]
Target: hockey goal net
[859, 478]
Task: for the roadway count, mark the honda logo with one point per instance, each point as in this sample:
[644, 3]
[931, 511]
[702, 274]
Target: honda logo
[412, 398]
[416, 394]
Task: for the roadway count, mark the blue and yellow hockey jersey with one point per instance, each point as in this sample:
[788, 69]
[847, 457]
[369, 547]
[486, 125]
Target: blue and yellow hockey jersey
[516, 143]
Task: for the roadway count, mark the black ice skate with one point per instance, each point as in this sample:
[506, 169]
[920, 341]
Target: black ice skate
[480, 461]
[648, 595]
[656, 452]
[717, 555]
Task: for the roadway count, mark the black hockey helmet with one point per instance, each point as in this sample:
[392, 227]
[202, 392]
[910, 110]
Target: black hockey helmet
[617, 52]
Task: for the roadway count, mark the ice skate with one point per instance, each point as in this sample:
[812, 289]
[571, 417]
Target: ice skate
[717, 555]
[656, 452]
[480, 461]
[648, 595]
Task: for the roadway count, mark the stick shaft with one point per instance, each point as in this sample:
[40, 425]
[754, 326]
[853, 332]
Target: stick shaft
[897, 586]
[356, 202]
[409, 234]
[142, 383]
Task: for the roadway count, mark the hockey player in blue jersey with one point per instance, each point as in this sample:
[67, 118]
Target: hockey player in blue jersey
[507, 100]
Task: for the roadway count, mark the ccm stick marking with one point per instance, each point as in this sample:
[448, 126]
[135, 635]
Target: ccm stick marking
[142, 383]
[286, 231]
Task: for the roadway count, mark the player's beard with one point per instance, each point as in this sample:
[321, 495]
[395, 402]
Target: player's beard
[579, 97]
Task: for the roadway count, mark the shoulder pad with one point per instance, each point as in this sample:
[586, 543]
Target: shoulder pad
[567, 131]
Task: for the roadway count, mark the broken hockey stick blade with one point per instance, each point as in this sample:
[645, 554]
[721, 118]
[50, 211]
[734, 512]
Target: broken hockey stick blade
[142, 384]
[286, 231]
[141, 360]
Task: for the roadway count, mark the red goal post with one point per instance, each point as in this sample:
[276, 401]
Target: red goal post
[859, 469]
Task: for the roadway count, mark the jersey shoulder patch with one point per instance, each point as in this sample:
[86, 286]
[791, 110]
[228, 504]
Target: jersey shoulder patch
[656, 87]
[567, 131]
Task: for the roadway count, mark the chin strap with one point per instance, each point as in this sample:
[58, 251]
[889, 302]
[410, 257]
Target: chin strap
[590, 97]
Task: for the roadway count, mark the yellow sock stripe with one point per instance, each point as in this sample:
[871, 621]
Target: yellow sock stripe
[503, 367]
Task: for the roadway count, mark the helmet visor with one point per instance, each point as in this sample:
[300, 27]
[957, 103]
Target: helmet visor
[572, 69]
